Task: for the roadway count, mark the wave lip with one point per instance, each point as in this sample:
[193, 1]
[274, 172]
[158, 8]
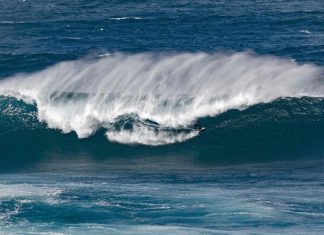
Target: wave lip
[170, 90]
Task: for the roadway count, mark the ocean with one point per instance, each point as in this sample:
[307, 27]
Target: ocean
[161, 117]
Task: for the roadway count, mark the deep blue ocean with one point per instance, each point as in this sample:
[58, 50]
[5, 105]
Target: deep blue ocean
[161, 117]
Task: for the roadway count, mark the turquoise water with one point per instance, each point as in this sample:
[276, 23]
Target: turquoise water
[161, 117]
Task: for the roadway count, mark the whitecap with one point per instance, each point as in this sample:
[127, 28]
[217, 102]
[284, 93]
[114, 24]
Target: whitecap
[7, 22]
[171, 90]
[72, 38]
[305, 31]
[126, 18]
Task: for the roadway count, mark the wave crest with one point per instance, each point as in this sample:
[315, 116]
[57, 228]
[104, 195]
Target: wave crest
[171, 90]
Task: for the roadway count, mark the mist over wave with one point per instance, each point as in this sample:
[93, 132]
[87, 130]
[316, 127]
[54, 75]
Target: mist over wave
[156, 98]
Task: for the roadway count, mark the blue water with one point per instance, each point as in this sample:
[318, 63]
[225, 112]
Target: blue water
[161, 117]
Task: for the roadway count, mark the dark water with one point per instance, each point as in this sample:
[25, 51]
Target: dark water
[161, 117]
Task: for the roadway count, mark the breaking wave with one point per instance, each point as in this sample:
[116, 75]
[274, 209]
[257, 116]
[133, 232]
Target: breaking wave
[157, 98]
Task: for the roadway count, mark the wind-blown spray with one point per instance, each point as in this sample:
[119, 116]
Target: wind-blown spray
[164, 93]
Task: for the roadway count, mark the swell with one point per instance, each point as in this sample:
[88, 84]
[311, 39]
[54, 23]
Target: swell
[158, 98]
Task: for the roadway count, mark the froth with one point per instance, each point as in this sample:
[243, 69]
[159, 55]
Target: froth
[149, 136]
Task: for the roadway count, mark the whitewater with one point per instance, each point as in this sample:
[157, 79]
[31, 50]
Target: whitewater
[160, 95]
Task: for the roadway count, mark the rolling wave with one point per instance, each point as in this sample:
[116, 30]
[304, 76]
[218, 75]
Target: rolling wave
[161, 95]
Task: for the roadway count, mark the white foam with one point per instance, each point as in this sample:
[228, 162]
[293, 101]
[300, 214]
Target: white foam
[71, 38]
[126, 18]
[11, 22]
[7, 22]
[305, 31]
[104, 55]
[148, 136]
[26, 190]
[172, 90]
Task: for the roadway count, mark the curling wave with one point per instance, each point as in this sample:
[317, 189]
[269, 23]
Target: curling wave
[166, 93]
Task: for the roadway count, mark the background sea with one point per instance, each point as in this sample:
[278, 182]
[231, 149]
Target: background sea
[161, 117]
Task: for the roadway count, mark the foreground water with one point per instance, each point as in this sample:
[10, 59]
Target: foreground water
[252, 199]
[147, 117]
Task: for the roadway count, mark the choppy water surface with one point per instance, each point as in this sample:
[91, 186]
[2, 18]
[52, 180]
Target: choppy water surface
[250, 199]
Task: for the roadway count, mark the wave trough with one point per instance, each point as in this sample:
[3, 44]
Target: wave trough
[162, 94]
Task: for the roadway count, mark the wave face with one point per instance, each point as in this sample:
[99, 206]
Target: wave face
[156, 99]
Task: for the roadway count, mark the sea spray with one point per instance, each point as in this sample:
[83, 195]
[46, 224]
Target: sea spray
[170, 90]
